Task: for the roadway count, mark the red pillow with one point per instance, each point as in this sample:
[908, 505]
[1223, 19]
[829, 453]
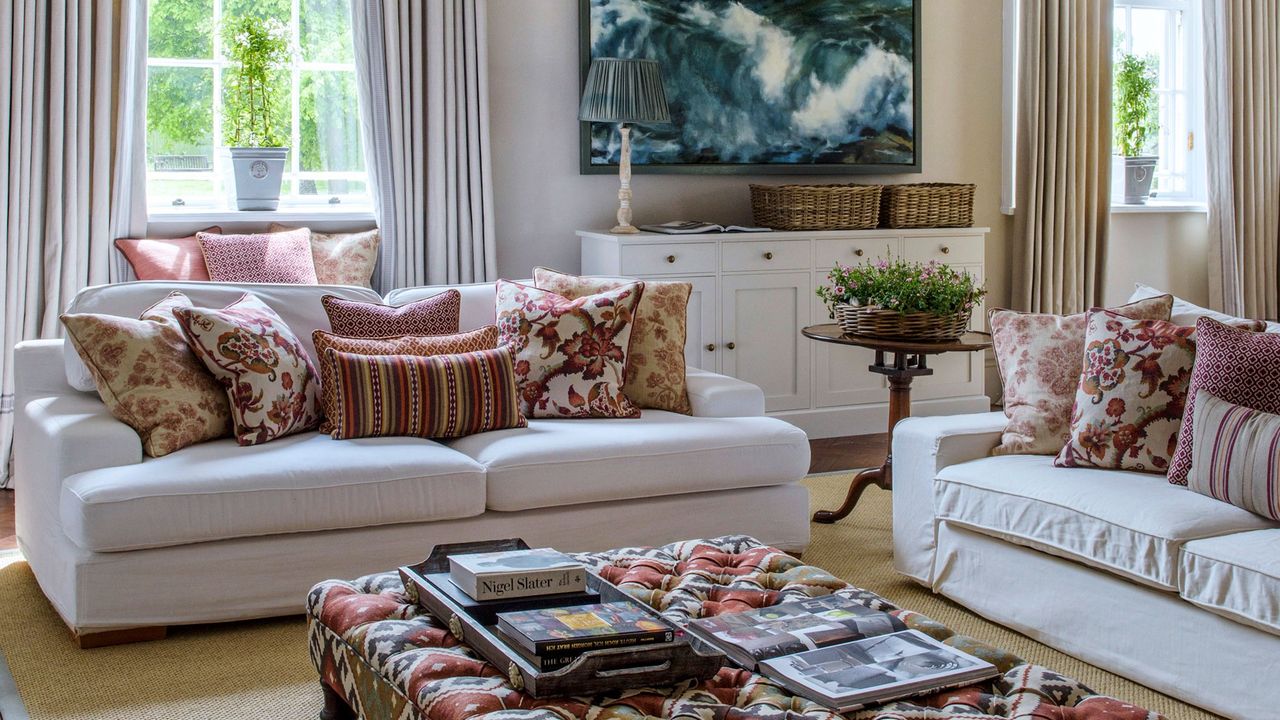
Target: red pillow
[436, 315]
[166, 258]
[260, 257]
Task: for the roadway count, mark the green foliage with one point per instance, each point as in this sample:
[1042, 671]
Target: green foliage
[179, 111]
[259, 53]
[1136, 108]
[329, 122]
[180, 29]
[907, 287]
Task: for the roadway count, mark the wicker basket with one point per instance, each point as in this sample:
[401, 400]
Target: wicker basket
[816, 207]
[927, 205]
[870, 321]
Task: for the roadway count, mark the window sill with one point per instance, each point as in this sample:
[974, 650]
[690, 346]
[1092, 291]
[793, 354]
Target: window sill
[1161, 206]
[290, 214]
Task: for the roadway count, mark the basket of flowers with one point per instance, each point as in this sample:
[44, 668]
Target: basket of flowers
[901, 300]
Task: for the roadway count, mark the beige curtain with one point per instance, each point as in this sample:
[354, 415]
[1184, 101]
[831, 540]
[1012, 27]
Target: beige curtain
[70, 122]
[422, 77]
[1242, 150]
[1063, 154]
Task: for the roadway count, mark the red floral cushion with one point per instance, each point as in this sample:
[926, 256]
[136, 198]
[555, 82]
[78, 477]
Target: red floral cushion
[260, 257]
[166, 259]
[436, 315]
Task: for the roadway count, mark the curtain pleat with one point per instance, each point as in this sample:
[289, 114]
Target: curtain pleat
[1063, 159]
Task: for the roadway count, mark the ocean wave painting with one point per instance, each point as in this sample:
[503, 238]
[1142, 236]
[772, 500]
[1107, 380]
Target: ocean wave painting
[807, 86]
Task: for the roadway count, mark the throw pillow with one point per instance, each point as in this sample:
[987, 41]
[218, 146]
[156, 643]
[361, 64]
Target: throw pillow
[264, 368]
[1238, 366]
[171, 259]
[436, 315]
[1132, 390]
[260, 257]
[486, 338]
[655, 362]
[1235, 453]
[1187, 313]
[441, 396]
[148, 377]
[571, 355]
[342, 258]
[1039, 360]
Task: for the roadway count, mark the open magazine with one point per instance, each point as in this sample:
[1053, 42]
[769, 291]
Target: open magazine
[697, 227]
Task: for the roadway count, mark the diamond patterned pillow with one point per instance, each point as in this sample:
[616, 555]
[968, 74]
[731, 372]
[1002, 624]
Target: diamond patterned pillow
[436, 315]
[342, 258]
[260, 257]
[571, 355]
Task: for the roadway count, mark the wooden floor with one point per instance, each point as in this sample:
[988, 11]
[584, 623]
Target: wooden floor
[844, 453]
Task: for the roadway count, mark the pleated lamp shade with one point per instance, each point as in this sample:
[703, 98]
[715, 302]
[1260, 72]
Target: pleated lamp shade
[624, 91]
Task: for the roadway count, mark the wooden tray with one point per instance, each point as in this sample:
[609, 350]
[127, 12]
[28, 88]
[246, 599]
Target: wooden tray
[594, 672]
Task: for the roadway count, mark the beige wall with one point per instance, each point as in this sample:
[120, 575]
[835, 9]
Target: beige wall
[1165, 250]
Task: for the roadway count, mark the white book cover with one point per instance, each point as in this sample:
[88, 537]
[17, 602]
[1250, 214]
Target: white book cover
[517, 573]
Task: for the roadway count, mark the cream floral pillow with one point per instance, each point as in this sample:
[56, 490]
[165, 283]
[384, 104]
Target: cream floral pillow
[571, 355]
[272, 386]
[655, 363]
[342, 258]
[148, 377]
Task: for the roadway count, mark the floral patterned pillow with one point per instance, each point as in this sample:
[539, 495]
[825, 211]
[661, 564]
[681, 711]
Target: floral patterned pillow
[148, 377]
[1039, 360]
[342, 258]
[571, 355]
[1131, 395]
[655, 362]
[273, 388]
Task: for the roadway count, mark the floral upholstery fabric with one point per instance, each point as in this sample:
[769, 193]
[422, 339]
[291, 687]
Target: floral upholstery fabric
[269, 379]
[148, 377]
[655, 362]
[436, 315]
[1131, 394]
[342, 258]
[260, 257]
[1039, 360]
[571, 355]
[390, 660]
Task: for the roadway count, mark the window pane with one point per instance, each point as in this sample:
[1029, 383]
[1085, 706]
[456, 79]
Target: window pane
[325, 30]
[180, 29]
[1148, 32]
[179, 118]
[329, 122]
[262, 9]
[239, 114]
[198, 190]
[333, 186]
[1121, 30]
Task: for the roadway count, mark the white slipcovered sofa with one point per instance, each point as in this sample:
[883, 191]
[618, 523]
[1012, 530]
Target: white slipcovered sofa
[1152, 581]
[218, 532]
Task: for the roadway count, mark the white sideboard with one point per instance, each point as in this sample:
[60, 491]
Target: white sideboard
[753, 292]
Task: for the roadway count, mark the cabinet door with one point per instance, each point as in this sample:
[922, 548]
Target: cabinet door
[840, 371]
[701, 346]
[761, 316]
[956, 374]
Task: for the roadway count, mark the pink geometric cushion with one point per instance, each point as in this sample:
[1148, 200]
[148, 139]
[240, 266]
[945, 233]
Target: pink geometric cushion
[436, 315]
[260, 257]
[166, 258]
[1238, 366]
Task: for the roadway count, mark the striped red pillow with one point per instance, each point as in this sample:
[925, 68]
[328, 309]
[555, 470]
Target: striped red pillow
[1236, 455]
[440, 396]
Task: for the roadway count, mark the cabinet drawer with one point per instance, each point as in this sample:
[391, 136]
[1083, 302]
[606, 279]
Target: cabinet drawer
[669, 259]
[949, 250]
[765, 255]
[826, 253]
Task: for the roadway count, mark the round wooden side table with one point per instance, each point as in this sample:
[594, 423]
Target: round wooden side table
[908, 362]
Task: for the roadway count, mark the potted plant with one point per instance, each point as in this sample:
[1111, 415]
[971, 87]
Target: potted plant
[901, 300]
[259, 52]
[1137, 120]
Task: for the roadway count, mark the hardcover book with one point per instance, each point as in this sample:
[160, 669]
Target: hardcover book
[517, 573]
[575, 629]
[486, 611]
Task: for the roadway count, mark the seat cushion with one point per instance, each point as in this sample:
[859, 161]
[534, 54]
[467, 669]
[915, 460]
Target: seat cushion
[1236, 576]
[300, 483]
[566, 462]
[1128, 523]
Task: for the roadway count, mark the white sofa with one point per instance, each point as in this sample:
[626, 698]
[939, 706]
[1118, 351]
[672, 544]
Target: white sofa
[218, 532]
[1173, 589]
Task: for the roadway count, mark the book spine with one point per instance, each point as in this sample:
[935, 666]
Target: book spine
[562, 647]
[504, 586]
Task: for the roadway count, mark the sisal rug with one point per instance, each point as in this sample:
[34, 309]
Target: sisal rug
[260, 670]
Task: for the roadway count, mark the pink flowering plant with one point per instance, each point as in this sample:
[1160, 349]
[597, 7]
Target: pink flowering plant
[908, 287]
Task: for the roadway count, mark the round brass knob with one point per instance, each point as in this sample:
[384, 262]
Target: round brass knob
[731, 346]
[711, 347]
[768, 256]
[945, 249]
[671, 258]
[859, 252]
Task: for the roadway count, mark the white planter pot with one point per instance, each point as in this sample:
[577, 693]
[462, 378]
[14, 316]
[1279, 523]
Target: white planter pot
[256, 175]
[1138, 173]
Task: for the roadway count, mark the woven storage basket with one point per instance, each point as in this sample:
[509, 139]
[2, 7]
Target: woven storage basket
[893, 325]
[816, 207]
[927, 205]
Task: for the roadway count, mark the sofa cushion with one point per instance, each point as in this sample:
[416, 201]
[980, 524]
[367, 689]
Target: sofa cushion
[583, 460]
[300, 483]
[1128, 523]
[1236, 576]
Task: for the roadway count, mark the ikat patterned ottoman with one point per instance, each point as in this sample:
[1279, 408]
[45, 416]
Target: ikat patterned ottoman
[380, 657]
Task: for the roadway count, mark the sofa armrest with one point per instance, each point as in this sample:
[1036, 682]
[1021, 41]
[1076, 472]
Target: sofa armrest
[922, 447]
[39, 370]
[56, 436]
[715, 395]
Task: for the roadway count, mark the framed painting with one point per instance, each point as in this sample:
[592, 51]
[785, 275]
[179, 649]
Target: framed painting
[764, 86]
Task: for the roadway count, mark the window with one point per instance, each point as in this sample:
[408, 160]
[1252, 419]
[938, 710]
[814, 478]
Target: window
[1170, 32]
[185, 65]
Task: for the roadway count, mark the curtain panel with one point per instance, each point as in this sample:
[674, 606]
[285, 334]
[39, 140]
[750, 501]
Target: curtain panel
[1063, 159]
[422, 79]
[72, 98]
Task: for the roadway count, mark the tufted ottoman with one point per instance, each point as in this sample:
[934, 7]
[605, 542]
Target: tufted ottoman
[381, 657]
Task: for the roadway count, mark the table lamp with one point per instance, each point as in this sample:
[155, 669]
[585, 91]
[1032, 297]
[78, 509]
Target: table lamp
[624, 92]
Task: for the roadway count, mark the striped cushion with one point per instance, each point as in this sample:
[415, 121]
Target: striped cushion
[430, 397]
[1236, 455]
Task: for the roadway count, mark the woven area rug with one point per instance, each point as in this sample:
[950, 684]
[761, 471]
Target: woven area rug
[260, 669]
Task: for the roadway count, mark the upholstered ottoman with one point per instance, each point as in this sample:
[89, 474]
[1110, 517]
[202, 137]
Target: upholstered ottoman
[381, 657]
